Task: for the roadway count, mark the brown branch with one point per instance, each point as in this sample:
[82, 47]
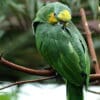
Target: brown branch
[89, 40]
[95, 76]
[27, 81]
[35, 71]
[26, 70]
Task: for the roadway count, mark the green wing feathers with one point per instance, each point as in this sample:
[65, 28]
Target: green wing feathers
[81, 49]
[63, 52]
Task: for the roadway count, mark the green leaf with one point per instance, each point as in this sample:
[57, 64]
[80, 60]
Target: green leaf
[1, 33]
[94, 4]
[33, 6]
[2, 17]
[30, 8]
[5, 97]
[17, 7]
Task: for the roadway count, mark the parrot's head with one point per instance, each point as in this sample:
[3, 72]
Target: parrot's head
[62, 16]
[60, 13]
[53, 13]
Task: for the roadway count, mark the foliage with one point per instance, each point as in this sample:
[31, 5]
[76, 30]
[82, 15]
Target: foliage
[94, 4]
[77, 4]
[16, 37]
[5, 97]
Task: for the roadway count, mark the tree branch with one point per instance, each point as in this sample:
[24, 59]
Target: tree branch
[89, 41]
[26, 70]
[35, 71]
[27, 81]
[94, 77]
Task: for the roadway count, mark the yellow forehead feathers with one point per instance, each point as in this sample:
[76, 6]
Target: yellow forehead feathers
[64, 15]
[52, 18]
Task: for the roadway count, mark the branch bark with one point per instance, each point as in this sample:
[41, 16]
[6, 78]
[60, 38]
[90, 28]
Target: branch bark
[89, 41]
[94, 77]
[27, 81]
[26, 70]
[35, 71]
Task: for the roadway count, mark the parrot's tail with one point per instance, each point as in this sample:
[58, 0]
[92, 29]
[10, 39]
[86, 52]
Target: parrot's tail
[74, 92]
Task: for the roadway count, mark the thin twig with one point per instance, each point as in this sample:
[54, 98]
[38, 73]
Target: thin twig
[89, 40]
[95, 76]
[92, 91]
[96, 82]
[27, 81]
[26, 70]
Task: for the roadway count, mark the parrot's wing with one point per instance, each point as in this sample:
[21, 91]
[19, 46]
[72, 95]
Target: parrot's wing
[57, 48]
[81, 49]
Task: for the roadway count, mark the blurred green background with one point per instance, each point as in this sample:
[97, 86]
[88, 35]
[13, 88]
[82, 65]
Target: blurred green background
[17, 40]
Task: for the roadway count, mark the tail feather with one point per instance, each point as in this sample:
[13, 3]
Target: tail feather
[74, 92]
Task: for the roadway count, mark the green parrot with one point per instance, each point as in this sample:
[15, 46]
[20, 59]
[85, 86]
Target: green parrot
[63, 47]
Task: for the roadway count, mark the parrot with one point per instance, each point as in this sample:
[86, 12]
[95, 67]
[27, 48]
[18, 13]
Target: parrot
[63, 47]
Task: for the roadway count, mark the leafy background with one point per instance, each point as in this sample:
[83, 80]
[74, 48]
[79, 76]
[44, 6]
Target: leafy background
[17, 40]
